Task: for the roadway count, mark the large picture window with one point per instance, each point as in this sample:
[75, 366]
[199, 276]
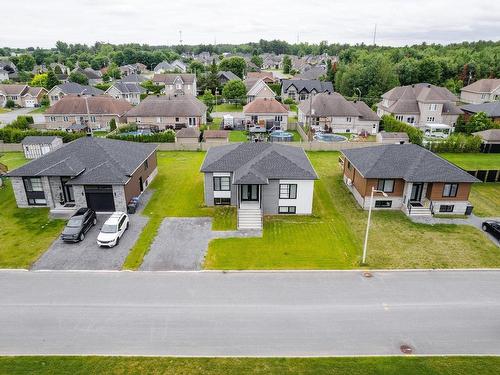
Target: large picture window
[450, 190]
[387, 186]
[222, 183]
[288, 191]
[34, 191]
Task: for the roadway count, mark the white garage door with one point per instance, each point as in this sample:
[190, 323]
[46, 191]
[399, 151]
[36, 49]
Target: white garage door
[30, 103]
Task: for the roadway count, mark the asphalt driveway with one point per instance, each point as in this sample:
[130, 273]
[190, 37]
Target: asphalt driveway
[86, 255]
[8, 117]
[181, 244]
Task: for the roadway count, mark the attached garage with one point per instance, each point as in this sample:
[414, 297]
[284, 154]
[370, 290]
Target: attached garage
[100, 198]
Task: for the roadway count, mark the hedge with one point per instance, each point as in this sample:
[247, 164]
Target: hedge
[457, 142]
[166, 136]
[13, 135]
[390, 124]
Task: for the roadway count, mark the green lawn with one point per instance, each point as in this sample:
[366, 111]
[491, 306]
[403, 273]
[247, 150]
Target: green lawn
[238, 136]
[214, 125]
[212, 366]
[333, 237]
[474, 161]
[39, 110]
[225, 218]
[25, 232]
[485, 197]
[100, 133]
[227, 107]
[4, 110]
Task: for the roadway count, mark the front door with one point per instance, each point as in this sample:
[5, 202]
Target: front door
[249, 193]
[68, 193]
[416, 192]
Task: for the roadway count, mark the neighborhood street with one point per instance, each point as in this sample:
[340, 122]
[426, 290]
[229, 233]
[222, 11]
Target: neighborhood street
[249, 313]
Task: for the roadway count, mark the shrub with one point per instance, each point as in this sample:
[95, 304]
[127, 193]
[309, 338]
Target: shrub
[45, 102]
[289, 101]
[132, 127]
[457, 142]
[112, 124]
[390, 124]
[14, 135]
[10, 104]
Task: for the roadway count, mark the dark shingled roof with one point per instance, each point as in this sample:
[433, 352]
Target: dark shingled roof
[257, 163]
[490, 135]
[76, 88]
[410, 162]
[90, 160]
[191, 132]
[491, 109]
[38, 139]
[229, 75]
[307, 85]
[168, 106]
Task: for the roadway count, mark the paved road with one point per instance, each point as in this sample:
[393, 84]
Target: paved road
[258, 314]
[8, 117]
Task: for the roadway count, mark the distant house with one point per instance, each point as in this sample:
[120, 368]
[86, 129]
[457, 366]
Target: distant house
[392, 137]
[64, 69]
[133, 78]
[301, 89]
[21, 95]
[99, 173]
[420, 105]
[164, 112]
[273, 62]
[131, 92]
[129, 69]
[94, 112]
[4, 75]
[490, 140]
[259, 178]
[163, 67]
[264, 110]
[226, 76]
[176, 84]
[188, 135]
[216, 136]
[492, 110]
[258, 89]
[94, 77]
[71, 88]
[415, 180]
[179, 66]
[333, 113]
[482, 91]
[267, 77]
[313, 73]
[36, 146]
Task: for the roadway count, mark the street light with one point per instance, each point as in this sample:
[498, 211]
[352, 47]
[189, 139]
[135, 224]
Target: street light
[363, 261]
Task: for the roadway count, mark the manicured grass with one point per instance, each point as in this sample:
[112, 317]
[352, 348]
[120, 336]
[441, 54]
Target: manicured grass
[485, 197]
[333, 237]
[211, 366]
[296, 135]
[225, 218]
[215, 124]
[25, 233]
[227, 107]
[474, 161]
[178, 193]
[100, 133]
[4, 110]
[39, 110]
[238, 136]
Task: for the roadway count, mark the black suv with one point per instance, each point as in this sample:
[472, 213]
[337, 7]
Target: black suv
[79, 224]
[492, 227]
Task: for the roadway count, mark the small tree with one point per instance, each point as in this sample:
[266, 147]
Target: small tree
[58, 70]
[478, 122]
[287, 64]
[52, 79]
[39, 80]
[209, 100]
[234, 64]
[257, 60]
[78, 77]
[114, 71]
[234, 90]
[112, 124]
[10, 103]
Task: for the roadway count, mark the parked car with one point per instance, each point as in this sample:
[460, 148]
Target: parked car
[493, 227]
[113, 229]
[78, 225]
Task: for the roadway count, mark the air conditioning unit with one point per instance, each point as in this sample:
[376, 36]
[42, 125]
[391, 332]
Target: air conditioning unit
[349, 182]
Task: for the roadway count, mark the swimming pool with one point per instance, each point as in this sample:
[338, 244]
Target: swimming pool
[281, 136]
[326, 137]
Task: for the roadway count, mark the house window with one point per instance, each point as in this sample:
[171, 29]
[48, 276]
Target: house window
[278, 118]
[138, 120]
[383, 204]
[177, 119]
[52, 118]
[287, 209]
[222, 201]
[349, 165]
[410, 120]
[92, 118]
[430, 119]
[399, 117]
[255, 119]
[484, 96]
[14, 97]
[349, 119]
[34, 191]
[178, 86]
[387, 186]
[192, 121]
[288, 191]
[446, 208]
[158, 120]
[65, 118]
[222, 183]
[146, 164]
[450, 190]
[433, 107]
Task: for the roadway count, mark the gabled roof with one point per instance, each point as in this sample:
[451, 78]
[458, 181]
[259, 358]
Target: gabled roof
[230, 76]
[212, 134]
[254, 87]
[90, 160]
[128, 87]
[307, 85]
[94, 105]
[88, 72]
[487, 85]
[39, 140]
[137, 78]
[265, 105]
[190, 132]
[409, 162]
[9, 89]
[314, 73]
[490, 135]
[77, 89]
[168, 106]
[257, 163]
[164, 65]
[491, 109]
[169, 78]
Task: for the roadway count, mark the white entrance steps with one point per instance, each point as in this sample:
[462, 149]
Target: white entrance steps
[249, 218]
[420, 211]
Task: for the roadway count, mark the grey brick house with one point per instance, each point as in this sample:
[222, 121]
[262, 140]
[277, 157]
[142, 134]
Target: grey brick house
[99, 173]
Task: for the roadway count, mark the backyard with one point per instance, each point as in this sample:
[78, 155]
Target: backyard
[474, 161]
[228, 107]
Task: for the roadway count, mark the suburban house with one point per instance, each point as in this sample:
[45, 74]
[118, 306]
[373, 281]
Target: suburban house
[71, 88]
[129, 69]
[92, 75]
[332, 112]
[259, 178]
[258, 89]
[492, 110]
[99, 173]
[133, 78]
[263, 110]
[176, 84]
[129, 91]
[314, 73]
[37, 146]
[163, 67]
[21, 95]
[226, 76]
[392, 137]
[267, 77]
[422, 105]
[188, 135]
[490, 140]
[300, 89]
[164, 111]
[415, 180]
[216, 136]
[94, 112]
[272, 61]
[482, 91]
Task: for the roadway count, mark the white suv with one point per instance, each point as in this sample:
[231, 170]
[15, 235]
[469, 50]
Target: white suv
[113, 229]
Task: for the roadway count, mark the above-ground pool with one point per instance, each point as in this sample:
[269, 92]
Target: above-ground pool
[327, 137]
[138, 132]
[281, 136]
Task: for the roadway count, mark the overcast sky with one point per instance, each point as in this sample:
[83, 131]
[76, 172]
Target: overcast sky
[157, 22]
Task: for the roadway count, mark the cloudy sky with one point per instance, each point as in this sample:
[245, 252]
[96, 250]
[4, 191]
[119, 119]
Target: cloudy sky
[158, 22]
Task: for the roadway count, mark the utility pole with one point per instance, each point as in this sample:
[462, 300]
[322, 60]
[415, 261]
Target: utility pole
[375, 35]
[180, 37]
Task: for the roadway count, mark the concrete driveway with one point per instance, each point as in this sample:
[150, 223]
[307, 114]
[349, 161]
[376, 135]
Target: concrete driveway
[181, 244]
[86, 255]
[8, 117]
